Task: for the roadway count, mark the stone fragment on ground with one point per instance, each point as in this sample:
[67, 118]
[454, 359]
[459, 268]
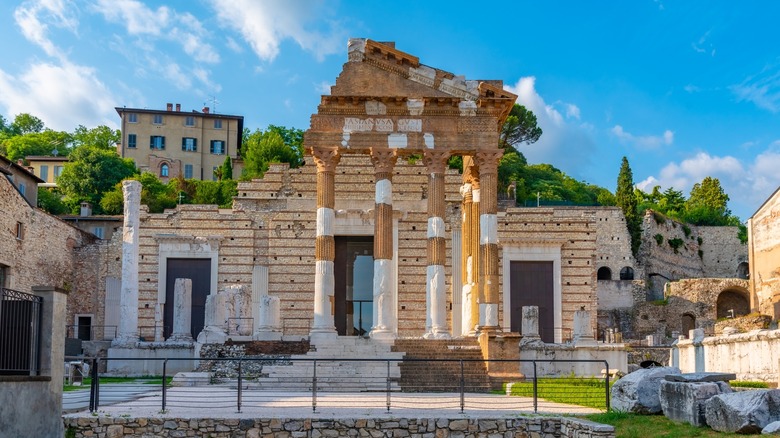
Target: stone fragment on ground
[701, 377]
[743, 412]
[772, 428]
[637, 392]
[684, 401]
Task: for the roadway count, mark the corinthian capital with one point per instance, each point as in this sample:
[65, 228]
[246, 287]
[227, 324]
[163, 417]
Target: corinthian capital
[325, 158]
[383, 159]
[436, 160]
[488, 160]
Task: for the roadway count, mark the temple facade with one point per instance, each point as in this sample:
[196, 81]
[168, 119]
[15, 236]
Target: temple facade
[374, 236]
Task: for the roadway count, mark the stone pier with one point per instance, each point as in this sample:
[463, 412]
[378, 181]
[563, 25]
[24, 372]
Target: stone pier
[182, 311]
[127, 336]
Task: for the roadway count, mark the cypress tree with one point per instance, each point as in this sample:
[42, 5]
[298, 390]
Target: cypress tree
[625, 199]
[227, 169]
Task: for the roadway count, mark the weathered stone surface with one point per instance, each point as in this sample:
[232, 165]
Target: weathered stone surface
[701, 377]
[743, 412]
[638, 392]
[772, 428]
[684, 401]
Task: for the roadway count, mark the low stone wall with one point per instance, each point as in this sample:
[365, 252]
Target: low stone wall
[657, 354]
[307, 427]
[744, 324]
[751, 356]
[615, 355]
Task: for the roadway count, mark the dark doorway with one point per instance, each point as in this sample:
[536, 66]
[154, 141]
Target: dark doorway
[688, 323]
[199, 271]
[354, 285]
[604, 273]
[732, 303]
[531, 284]
[84, 328]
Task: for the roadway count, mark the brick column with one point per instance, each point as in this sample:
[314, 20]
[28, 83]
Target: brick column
[435, 289]
[488, 235]
[477, 293]
[324, 249]
[468, 301]
[384, 160]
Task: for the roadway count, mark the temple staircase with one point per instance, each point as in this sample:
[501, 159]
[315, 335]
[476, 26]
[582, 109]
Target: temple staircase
[337, 375]
[423, 369]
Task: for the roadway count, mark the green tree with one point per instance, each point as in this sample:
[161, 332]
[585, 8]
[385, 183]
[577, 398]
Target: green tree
[520, 127]
[37, 143]
[263, 148]
[293, 138]
[155, 194]
[227, 169]
[708, 194]
[627, 201]
[25, 123]
[50, 201]
[101, 137]
[90, 173]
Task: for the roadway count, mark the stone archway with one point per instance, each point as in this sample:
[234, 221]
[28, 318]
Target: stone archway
[604, 273]
[732, 299]
[743, 271]
[687, 323]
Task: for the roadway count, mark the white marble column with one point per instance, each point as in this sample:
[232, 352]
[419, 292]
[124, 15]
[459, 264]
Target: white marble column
[128, 300]
[435, 290]
[324, 282]
[182, 311]
[383, 160]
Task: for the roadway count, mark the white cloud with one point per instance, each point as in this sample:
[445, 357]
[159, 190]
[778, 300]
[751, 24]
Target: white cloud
[763, 89]
[748, 184]
[323, 87]
[565, 144]
[264, 25]
[63, 96]
[690, 88]
[572, 111]
[702, 46]
[643, 141]
[233, 45]
[161, 23]
[34, 18]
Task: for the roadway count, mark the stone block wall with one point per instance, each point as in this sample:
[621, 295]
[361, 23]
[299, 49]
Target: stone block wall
[751, 356]
[315, 427]
[722, 252]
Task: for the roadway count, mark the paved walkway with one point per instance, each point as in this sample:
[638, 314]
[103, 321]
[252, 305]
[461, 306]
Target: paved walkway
[221, 402]
[110, 393]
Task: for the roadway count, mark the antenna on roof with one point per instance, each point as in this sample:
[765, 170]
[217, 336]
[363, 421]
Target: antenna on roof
[213, 103]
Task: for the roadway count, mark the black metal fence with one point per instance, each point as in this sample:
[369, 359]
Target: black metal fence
[246, 383]
[20, 326]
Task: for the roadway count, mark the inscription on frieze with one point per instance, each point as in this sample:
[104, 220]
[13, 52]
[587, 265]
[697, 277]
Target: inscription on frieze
[410, 125]
[354, 124]
[384, 125]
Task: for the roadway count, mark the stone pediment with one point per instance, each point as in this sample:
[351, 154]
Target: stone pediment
[386, 98]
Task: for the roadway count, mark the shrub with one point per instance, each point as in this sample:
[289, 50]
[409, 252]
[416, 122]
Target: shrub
[748, 384]
[659, 239]
[686, 230]
[700, 240]
[675, 243]
[659, 218]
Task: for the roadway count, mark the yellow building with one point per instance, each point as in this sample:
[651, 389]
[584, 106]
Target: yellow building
[47, 168]
[172, 142]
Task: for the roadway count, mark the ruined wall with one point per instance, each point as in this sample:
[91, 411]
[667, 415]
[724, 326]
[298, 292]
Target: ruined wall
[764, 251]
[751, 356]
[722, 252]
[45, 253]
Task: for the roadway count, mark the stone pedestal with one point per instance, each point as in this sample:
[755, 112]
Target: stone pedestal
[269, 327]
[228, 314]
[530, 323]
[583, 334]
[182, 311]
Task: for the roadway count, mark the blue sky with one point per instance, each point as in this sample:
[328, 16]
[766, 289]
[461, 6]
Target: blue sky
[683, 89]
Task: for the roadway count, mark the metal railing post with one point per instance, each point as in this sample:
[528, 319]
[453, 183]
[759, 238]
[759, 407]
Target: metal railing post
[388, 385]
[164, 390]
[606, 384]
[240, 384]
[314, 387]
[536, 395]
[93, 385]
[462, 388]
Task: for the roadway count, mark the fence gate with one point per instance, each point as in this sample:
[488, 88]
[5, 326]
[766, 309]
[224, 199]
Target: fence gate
[20, 321]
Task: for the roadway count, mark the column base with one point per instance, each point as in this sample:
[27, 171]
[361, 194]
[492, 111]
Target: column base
[382, 335]
[489, 329]
[179, 338]
[437, 334]
[125, 341]
[322, 336]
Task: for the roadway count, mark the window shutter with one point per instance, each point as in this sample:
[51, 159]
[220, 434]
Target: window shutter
[184, 143]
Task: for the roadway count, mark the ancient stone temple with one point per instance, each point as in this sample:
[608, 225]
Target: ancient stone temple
[375, 236]
[387, 106]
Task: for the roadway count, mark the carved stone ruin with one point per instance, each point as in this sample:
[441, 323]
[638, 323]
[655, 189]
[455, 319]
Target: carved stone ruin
[228, 314]
[182, 311]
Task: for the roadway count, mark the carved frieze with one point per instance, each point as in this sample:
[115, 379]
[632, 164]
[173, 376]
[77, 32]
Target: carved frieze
[477, 124]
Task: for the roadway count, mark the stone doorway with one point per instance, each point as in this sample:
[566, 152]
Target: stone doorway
[531, 284]
[353, 285]
[199, 271]
[732, 303]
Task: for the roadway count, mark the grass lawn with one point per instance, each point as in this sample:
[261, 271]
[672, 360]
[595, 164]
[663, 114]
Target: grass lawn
[644, 426]
[571, 390]
[150, 380]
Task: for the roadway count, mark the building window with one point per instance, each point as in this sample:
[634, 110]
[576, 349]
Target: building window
[4, 276]
[217, 123]
[57, 172]
[19, 231]
[45, 173]
[189, 121]
[217, 147]
[164, 170]
[22, 189]
[132, 118]
[131, 140]
[188, 171]
[157, 142]
[189, 144]
[157, 119]
[98, 231]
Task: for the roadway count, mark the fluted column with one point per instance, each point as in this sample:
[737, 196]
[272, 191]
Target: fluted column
[325, 248]
[384, 160]
[468, 292]
[477, 293]
[435, 289]
[488, 235]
